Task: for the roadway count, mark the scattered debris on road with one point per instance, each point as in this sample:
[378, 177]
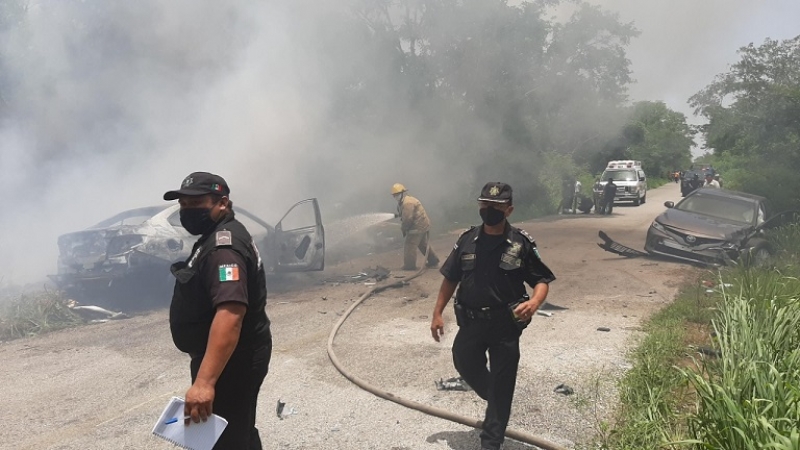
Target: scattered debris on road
[95, 314]
[452, 384]
[610, 245]
[369, 274]
[282, 411]
[563, 389]
[603, 329]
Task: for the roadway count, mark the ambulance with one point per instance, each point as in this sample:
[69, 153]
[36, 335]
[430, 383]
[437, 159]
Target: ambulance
[630, 179]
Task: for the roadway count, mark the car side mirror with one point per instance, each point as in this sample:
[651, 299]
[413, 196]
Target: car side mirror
[641, 178]
[669, 204]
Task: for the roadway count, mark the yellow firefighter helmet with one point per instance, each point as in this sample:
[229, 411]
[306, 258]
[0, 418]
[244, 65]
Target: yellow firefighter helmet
[398, 188]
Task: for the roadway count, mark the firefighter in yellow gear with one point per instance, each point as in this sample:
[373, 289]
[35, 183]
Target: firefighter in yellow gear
[415, 225]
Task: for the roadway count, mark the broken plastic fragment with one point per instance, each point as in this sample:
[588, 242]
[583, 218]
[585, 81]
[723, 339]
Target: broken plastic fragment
[279, 409]
[452, 384]
[563, 389]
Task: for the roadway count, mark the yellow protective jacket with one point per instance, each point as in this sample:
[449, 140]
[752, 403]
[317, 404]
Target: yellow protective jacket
[412, 216]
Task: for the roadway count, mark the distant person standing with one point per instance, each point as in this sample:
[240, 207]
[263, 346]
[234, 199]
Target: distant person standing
[597, 195]
[719, 179]
[576, 196]
[710, 181]
[415, 226]
[567, 195]
[217, 314]
[490, 265]
[695, 183]
[609, 193]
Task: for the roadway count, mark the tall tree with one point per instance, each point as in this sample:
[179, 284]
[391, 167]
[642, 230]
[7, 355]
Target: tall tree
[753, 114]
[663, 139]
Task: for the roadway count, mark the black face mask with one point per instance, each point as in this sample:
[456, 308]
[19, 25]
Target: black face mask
[197, 221]
[492, 216]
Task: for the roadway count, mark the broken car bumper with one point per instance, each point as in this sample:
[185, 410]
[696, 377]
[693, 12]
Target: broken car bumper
[702, 250]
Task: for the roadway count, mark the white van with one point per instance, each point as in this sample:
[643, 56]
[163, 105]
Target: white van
[630, 179]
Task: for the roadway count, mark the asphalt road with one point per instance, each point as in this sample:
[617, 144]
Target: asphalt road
[103, 386]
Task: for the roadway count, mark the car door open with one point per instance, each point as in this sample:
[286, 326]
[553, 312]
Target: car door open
[300, 238]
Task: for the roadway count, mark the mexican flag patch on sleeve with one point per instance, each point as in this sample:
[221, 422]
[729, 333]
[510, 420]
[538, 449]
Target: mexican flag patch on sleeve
[228, 272]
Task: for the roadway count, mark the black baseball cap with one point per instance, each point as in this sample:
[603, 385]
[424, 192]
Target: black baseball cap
[200, 183]
[495, 192]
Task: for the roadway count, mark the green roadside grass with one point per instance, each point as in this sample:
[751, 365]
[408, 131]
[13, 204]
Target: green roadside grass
[29, 314]
[719, 368]
[653, 182]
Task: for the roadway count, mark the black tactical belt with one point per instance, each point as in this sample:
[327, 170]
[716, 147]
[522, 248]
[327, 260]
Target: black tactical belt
[486, 313]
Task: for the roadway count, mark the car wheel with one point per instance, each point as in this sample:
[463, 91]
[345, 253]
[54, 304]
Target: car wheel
[757, 254]
[637, 202]
[644, 199]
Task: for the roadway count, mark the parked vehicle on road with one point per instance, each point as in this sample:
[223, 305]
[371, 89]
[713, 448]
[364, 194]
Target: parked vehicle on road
[630, 179]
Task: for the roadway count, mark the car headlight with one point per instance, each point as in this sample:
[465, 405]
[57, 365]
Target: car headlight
[658, 226]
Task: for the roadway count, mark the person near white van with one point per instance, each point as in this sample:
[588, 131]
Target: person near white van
[630, 179]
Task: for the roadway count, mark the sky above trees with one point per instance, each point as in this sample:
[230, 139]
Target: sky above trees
[684, 43]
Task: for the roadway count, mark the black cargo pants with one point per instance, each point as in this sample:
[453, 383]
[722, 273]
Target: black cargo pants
[236, 396]
[500, 337]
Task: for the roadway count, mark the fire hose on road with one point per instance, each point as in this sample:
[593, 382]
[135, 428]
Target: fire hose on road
[427, 409]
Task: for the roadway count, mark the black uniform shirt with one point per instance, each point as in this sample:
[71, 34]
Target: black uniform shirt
[224, 266]
[609, 190]
[224, 276]
[492, 270]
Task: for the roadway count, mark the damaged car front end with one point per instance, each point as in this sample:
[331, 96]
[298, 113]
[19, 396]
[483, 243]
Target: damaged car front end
[664, 240]
[134, 245]
[710, 226]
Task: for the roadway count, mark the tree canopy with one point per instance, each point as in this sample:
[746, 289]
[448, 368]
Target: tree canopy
[753, 114]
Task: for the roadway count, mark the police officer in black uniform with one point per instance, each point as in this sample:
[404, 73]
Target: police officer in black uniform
[218, 315]
[490, 264]
[609, 193]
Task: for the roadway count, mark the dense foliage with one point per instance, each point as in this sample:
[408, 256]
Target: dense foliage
[753, 114]
[719, 367]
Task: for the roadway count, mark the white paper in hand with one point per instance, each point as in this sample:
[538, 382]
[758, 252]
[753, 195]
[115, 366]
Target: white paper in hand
[195, 436]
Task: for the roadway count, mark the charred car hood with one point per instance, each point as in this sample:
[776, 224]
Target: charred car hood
[91, 245]
[700, 225]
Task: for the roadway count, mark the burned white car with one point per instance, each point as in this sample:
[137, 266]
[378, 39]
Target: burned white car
[134, 249]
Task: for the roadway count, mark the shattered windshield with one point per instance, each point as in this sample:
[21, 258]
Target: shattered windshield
[131, 217]
[729, 209]
[620, 175]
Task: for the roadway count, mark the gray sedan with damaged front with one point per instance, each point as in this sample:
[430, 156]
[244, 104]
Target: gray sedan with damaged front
[714, 226]
[129, 254]
[710, 226]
